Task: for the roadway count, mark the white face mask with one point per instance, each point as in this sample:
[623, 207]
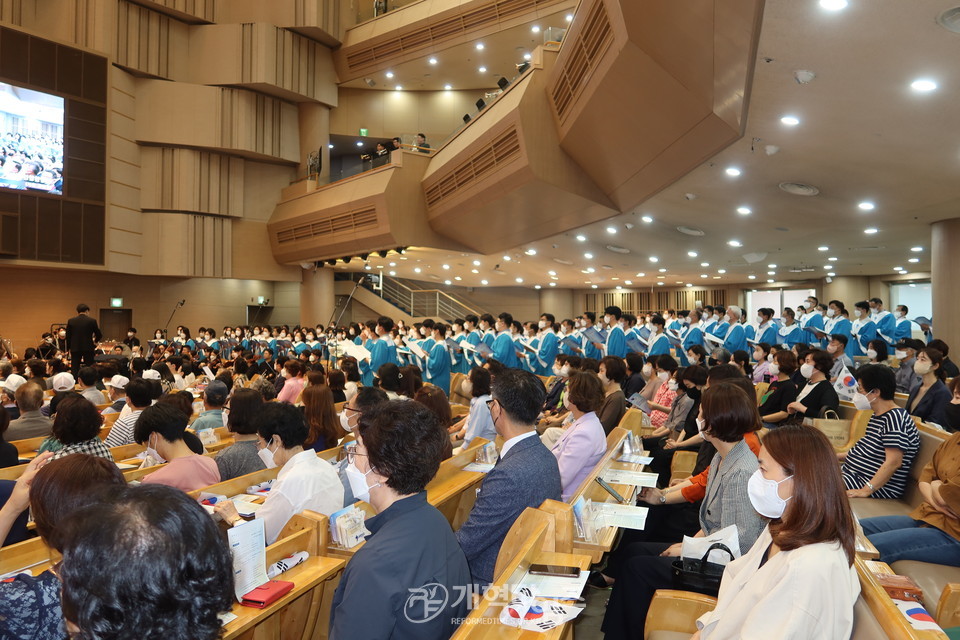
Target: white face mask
[604, 380]
[672, 385]
[556, 370]
[358, 483]
[607, 319]
[266, 455]
[565, 371]
[567, 403]
[542, 324]
[701, 425]
[647, 370]
[861, 401]
[831, 312]
[900, 354]
[806, 370]
[663, 375]
[831, 348]
[758, 356]
[764, 496]
[922, 368]
[872, 354]
[857, 313]
[467, 387]
[693, 358]
[345, 421]
[152, 453]
[759, 319]
[774, 369]
[899, 314]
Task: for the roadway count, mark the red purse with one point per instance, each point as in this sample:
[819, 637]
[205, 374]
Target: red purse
[266, 594]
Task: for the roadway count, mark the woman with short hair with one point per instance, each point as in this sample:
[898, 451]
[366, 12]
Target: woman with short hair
[241, 457]
[818, 394]
[781, 391]
[583, 443]
[613, 372]
[77, 428]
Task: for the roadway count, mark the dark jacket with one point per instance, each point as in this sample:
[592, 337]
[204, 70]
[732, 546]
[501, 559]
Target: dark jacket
[527, 476]
[822, 396]
[82, 333]
[932, 406]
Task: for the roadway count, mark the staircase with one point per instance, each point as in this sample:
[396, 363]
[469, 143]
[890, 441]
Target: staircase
[413, 300]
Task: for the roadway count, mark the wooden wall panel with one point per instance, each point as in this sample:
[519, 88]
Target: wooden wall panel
[187, 180]
[150, 42]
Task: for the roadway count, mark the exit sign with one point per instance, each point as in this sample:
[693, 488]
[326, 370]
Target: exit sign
[364, 132]
[116, 303]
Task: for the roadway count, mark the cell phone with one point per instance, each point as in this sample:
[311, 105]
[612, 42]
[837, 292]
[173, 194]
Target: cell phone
[554, 570]
[616, 496]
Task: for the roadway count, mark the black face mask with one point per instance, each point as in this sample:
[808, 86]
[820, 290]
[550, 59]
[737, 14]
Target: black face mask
[693, 393]
[952, 412]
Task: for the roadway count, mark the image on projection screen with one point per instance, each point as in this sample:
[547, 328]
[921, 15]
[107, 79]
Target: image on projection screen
[31, 140]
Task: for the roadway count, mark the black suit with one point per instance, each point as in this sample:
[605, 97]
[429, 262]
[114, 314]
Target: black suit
[82, 335]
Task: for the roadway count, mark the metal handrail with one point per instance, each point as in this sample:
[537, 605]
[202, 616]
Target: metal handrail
[423, 302]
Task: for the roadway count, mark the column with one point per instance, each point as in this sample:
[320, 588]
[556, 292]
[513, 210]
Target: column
[559, 302]
[317, 299]
[314, 121]
[945, 286]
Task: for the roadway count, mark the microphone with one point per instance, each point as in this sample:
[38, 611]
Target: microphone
[182, 302]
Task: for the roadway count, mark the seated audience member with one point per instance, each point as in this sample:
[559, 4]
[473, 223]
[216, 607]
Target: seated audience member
[877, 351]
[410, 382]
[265, 388]
[87, 380]
[878, 465]
[634, 381]
[388, 379]
[31, 423]
[728, 414]
[436, 400]
[305, 481]
[117, 385]
[365, 400]
[952, 410]
[139, 397]
[583, 443]
[663, 367]
[817, 395]
[76, 428]
[525, 476]
[161, 427]
[8, 394]
[906, 352]
[292, 373]
[411, 547]
[931, 533]
[352, 373]
[146, 562]
[775, 402]
[761, 372]
[241, 457]
[30, 605]
[679, 432]
[929, 400]
[9, 456]
[612, 374]
[742, 360]
[478, 423]
[837, 350]
[324, 430]
[949, 366]
[62, 383]
[802, 563]
[214, 397]
[338, 385]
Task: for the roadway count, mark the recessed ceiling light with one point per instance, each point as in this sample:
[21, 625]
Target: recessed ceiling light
[660, 277]
[703, 275]
[647, 219]
[588, 256]
[482, 69]
[833, 258]
[476, 263]
[923, 85]
[870, 231]
[593, 286]
[833, 5]
[916, 249]
[641, 275]
[581, 238]
[611, 230]
[483, 282]
[474, 271]
[329, 146]
[457, 278]
[828, 266]
[721, 270]
[692, 254]
[359, 143]
[898, 268]
[519, 279]
[446, 266]
[790, 121]
[506, 257]
[551, 273]
[393, 264]
[619, 287]
[751, 277]
[866, 205]
[831, 274]
[771, 273]
[662, 270]
[527, 56]
[628, 282]
[654, 259]
[823, 248]
[535, 28]
[531, 252]
[393, 273]
[479, 46]
[432, 60]
[389, 74]
[367, 267]
[735, 243]
[689, 284]
[417, 269]
[770, 280]
[447, 282]
[771, 266]
[744, 211]
[536, 286]
[569, 17]
[399, 87]
[733, 172]
[914, 260]
[554, 278]
[553, 284]
[447, 87]
[704, 264]
[659, 284]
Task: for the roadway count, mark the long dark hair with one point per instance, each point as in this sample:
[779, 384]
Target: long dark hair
[819, 510]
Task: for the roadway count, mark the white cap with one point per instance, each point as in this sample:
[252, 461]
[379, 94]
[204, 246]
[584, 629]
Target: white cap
[150, 374]
[14, 382]
[63, 381]
[117, 382]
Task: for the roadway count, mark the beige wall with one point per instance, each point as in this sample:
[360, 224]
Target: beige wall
[402, 113]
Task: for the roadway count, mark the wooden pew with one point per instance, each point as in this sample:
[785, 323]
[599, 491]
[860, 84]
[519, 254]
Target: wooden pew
[894, 623]
[559, 538]
[483, 621]
[636, 422]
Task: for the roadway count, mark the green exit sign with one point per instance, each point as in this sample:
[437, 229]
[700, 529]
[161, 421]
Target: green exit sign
[364, 132]
[116, 303]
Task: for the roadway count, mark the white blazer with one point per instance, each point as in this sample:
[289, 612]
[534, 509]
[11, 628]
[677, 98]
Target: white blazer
[803, 594]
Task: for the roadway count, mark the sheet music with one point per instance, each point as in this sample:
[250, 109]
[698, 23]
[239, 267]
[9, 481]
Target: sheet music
[249, 550]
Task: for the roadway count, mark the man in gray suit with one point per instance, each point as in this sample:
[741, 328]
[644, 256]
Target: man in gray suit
[31, 423]
[525, 475]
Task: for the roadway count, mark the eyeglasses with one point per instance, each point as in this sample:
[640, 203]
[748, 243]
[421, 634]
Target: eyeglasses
[357, 411]
[352, 454]
[490, 404]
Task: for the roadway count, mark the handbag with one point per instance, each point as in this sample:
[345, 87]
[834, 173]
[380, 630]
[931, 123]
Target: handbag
[836, 430]
[700, 576]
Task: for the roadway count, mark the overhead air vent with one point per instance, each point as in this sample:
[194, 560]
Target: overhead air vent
[344, 222]
[950, 20]
[579, 58]
[691, 231]
[799, 188]
[504, 148]
[616, 249]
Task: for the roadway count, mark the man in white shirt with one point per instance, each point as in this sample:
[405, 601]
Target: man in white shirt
[139, 397]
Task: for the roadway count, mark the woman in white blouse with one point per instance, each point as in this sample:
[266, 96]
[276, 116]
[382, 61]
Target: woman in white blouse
[798, 579]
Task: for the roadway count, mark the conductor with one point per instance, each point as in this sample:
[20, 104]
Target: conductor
[82, 335]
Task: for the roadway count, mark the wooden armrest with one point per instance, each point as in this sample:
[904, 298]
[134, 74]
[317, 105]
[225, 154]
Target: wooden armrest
[672, 610]
[948, 609]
